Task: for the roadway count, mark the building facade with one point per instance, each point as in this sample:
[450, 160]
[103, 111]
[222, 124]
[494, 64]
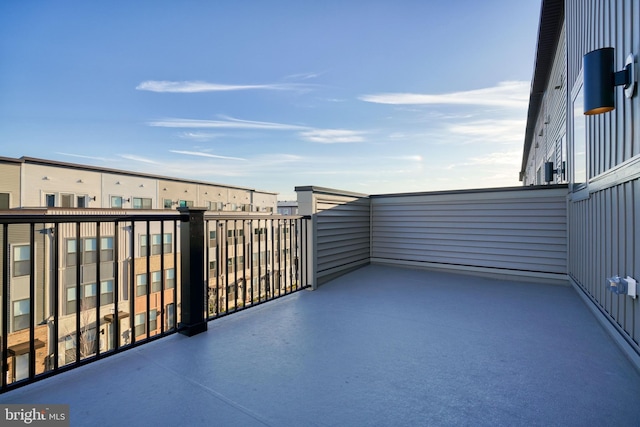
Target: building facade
[598, 155]
[87, 287]
[29, 183]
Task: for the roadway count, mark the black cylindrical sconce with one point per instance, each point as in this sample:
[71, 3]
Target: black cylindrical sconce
[600, 79]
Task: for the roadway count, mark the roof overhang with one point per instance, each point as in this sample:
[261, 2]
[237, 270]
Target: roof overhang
[549, 30]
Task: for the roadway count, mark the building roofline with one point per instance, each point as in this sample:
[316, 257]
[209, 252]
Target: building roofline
[10, 160]
[55, 163]
[475, 191]
[549, 29]
[330, 191]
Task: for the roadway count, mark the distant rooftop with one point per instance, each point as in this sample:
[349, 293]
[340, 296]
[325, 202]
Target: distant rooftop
[58, 164]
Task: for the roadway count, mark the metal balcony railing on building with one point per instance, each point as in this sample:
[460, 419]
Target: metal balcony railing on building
[79, 286]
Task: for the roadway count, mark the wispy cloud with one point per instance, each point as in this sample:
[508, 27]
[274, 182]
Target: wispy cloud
[303, 76]
[102, 159]
[139, 159]
[323, 136]
[200, 86]
[491, 129]
[198, 136]
[505, 94]
[204, 154]
[504, 158]
[332, 136]
[228, 123]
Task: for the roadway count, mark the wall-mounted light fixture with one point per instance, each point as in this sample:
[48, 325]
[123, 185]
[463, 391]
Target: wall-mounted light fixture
[549, 171]
[600, 80]
[92, 198]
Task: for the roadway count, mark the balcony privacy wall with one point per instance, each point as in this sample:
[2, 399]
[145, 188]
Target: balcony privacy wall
[341, 222]
[520, 232]
[515, 231]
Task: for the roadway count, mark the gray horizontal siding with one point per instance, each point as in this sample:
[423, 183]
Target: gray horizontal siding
[517, 230]
[342, 234]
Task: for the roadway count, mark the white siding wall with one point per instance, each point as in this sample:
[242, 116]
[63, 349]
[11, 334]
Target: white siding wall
[39, 180]
[128, 187]
[10, 182]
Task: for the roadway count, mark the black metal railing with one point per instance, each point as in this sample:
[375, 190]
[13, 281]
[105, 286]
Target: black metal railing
[253, 260]
[79, 287]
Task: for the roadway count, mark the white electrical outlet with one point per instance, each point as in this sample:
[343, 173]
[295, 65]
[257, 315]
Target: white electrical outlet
[631, 287]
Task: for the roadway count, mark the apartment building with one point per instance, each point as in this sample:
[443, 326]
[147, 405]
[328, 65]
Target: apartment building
[114, 281]
[30, 182]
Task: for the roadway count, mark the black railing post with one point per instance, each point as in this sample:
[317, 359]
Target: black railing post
[192, 265]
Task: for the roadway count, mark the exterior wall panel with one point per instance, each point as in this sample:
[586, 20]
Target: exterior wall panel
[10, 182]
[499, 231]
[342, 229]
[604, 219]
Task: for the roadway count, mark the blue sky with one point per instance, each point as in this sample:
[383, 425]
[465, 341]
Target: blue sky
[366, 96]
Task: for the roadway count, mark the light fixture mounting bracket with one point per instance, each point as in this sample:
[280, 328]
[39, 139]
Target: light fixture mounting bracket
[630, 66]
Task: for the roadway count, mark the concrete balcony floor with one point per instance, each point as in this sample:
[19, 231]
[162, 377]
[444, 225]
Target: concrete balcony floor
[379, 346]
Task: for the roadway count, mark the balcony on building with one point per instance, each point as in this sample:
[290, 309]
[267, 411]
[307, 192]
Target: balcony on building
[442, 308]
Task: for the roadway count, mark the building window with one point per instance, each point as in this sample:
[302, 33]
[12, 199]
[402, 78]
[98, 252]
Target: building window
[185, 203]
[158, 241]
[212, 268]
[89, 251]
[82, 201]
[156, 281]
[141, 284]
[216, 206]
[21, 314]
[143, 245]
[156, 244]
[167, 241]
[140, 324]
[168, 203]
[170, 316]
[153, 320]
[141, 203]
[71, 300]
[50, 200]
[116, 202]
[212, 238]
[88, 296]
[22, 367]
[579, 141]
[4, 201]
[69, 349]
[106, 292]
[66, 200]
[106, 249]
[71, 255]
[21, 260]
[170, 278]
